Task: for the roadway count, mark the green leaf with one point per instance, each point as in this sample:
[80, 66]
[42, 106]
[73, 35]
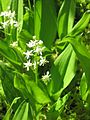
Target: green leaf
[66, 17]
[37, 17]
[28, 22]
[24, 84]
[5, 4]
[61, 103]
[83, 55]
[21, 86]
[62, 71]
[40, 96]
[7, 116]
[20, 15]
[23, 112]
[20, 111]
[83, 87]
[6, 77]
[45, 21]
[15, 6]
[81, 25]
[8, 53]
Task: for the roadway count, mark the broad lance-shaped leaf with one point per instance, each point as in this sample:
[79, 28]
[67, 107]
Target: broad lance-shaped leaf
[20, 84]
[37, 17]
[37, 93]
[81, 25]
[83, 55]
[6, 77]
[66, 17]
[22, 112]
[9, 53]
[28, 87]
[45, 21]
[83, 87]
[61, 102]
[7, 116]
[62, 72]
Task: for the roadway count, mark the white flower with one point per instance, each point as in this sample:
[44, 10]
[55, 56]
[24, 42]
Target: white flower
[46, 77]
[28, 53]
[27, 65]
[34, 64]
[5, 24]
[38, 50]
[5, 13]
[14, 44]
[8, 14]
[42, 61]
[34, 37]
[13, 22]
[9, 19]
[16, 24]
[12, 15]
[32, 43]
[40, 42]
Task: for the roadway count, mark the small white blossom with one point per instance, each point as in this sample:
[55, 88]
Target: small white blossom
[14, 44]
[42, 61]
[4, 24]
[38, 50]
[34, 37]
[27, 65]
[46, 77]
[5, 13]
[8, 14]
[12, 15]
[28, 53]
[32, 43]
[11, 22]
[40, 42]
[16, 24]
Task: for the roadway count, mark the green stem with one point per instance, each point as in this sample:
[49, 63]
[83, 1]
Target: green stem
[36, 73]
[29, 4]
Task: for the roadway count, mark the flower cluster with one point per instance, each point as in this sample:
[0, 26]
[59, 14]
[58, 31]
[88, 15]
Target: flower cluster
[8, 19]
[34, 54]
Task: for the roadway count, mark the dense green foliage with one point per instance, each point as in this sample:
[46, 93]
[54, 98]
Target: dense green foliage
[44, 59]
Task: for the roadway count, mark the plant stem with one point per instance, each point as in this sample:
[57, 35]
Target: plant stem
[36, 73]
[29, 4]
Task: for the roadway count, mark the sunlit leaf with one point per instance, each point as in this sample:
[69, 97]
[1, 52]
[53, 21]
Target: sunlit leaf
[45, 21]
[81, 24]
[20, 15]
[7, 116]
[66, 17]
[6, 4]
[83, 87]
[62, 71]
[8, 53]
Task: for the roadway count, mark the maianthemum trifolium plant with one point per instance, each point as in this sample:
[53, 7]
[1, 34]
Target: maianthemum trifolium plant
[40, 45]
